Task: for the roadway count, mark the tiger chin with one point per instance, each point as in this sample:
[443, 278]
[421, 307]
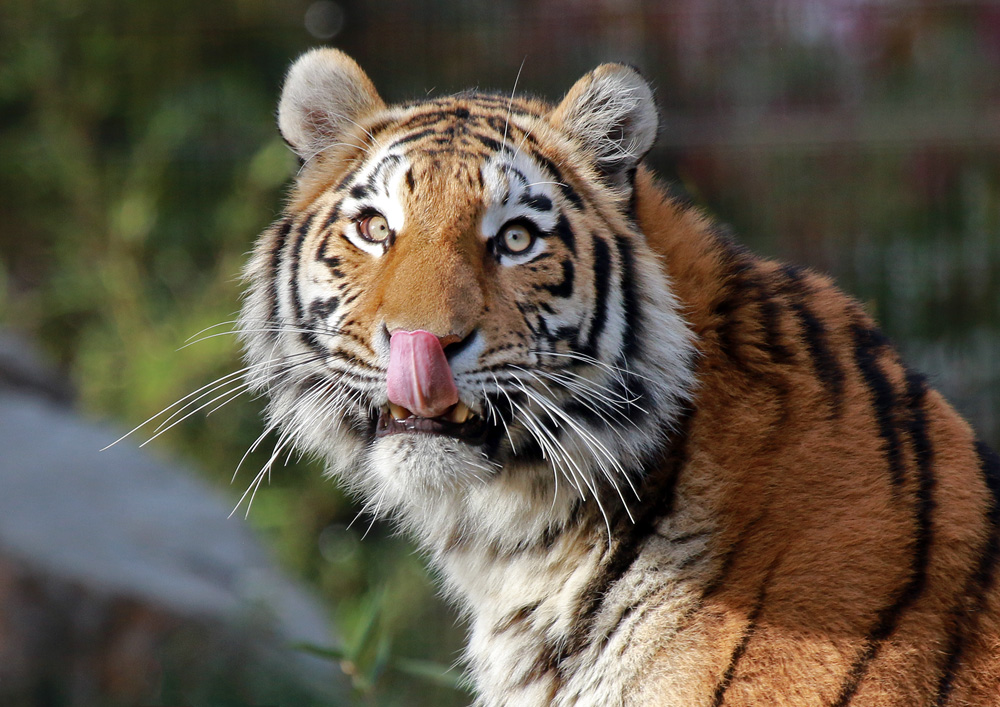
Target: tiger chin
[651, 467]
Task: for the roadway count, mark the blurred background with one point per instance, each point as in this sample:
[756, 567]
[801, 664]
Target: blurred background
[139, 159]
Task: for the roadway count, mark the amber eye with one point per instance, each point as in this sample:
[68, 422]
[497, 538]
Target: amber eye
[374, 228]
[516, 238]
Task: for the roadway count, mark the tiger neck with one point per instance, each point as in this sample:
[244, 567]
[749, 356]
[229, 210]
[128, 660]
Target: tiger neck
[564, 595]
[493, 539]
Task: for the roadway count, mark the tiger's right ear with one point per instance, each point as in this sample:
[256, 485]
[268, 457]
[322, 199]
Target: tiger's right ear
[325, 94]
[611, 114]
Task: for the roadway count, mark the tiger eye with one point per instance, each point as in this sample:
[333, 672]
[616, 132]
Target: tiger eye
[516, 238]
[374, 228]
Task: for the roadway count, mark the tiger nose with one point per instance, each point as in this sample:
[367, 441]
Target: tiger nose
[419, 377]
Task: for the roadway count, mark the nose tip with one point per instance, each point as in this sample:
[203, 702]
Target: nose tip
[448, 340]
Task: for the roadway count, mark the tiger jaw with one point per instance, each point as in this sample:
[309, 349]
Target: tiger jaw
[459, 421]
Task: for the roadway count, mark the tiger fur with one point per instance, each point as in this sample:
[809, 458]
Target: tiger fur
[691, 476]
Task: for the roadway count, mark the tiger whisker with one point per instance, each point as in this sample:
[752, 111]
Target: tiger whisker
[536, 184]
[553, 448]
[586, 396]
[506, 428]
[285, 439]
[510, 107]
[243, 386]
[252, 489]
[549, 405]
[582, 398]
[574, 379]
[374, 513]
[210, 327]
[164, 427]
[252, 448]
[276, 330]
[617, 371]
[200, 393]
[591, 442]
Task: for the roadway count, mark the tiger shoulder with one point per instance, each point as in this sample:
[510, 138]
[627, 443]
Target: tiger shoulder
[650, 467]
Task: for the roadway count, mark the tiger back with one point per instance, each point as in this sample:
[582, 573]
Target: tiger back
[651, 467]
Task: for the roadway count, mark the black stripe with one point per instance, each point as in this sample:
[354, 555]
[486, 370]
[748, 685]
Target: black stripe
[748, 324]
[770, 316]
[538, 202]
[503, 125]
[628, 386]
[970, 603]
[564, 232]
[567, 191]
[580, 409]
[631, 309]
[276, 253]
[425, 118]
[413, 137]
[727, 676]
[868, 343]
[516, 618]
[828, 369]
[602, 276]
[389, 162]
[888, 620]
[374, 129]
[334, 215]
[303, 231]
[630, 536]
[732, 554]
[360, 191]
[349, 177]
[565, 288]
[748, 632]
[518, 174]
[742, 288]
[331, 261]
[409, 179]
[491, 144]
[916, 393]
[498, 100]
[322, 308]
[619, 557]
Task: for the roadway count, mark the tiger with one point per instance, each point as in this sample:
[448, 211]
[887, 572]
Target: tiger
[649, 466]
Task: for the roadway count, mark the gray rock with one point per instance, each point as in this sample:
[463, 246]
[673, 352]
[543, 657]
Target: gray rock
[107, 557]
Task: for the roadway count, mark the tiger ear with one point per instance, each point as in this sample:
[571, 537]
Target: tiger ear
[611, 113]
[325, 94]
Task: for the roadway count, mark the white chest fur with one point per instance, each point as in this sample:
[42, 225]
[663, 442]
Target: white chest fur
[548, 629]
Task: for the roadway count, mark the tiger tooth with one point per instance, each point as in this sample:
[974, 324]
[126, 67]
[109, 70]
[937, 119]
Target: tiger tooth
[398, 412]
[460, 413]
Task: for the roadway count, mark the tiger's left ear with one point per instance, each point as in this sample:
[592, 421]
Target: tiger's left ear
[325, 96]
[611, 114]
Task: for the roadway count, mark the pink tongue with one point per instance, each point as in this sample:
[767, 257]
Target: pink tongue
[419, 376]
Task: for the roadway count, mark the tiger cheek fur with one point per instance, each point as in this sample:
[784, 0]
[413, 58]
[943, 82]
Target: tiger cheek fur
[675, 474]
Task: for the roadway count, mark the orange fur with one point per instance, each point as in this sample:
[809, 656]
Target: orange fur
[806, 503]
[848, 515]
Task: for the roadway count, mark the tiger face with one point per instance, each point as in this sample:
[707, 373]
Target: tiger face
[457, 307]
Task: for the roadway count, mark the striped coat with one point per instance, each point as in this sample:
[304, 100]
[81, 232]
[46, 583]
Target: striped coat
[651, 467]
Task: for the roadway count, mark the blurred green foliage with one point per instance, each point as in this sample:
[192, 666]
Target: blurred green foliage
[138, 159]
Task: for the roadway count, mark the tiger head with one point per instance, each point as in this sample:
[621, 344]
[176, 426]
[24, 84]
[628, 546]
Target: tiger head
[458, 310]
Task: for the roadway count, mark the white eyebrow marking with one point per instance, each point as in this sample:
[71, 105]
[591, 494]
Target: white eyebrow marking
[516, 187]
